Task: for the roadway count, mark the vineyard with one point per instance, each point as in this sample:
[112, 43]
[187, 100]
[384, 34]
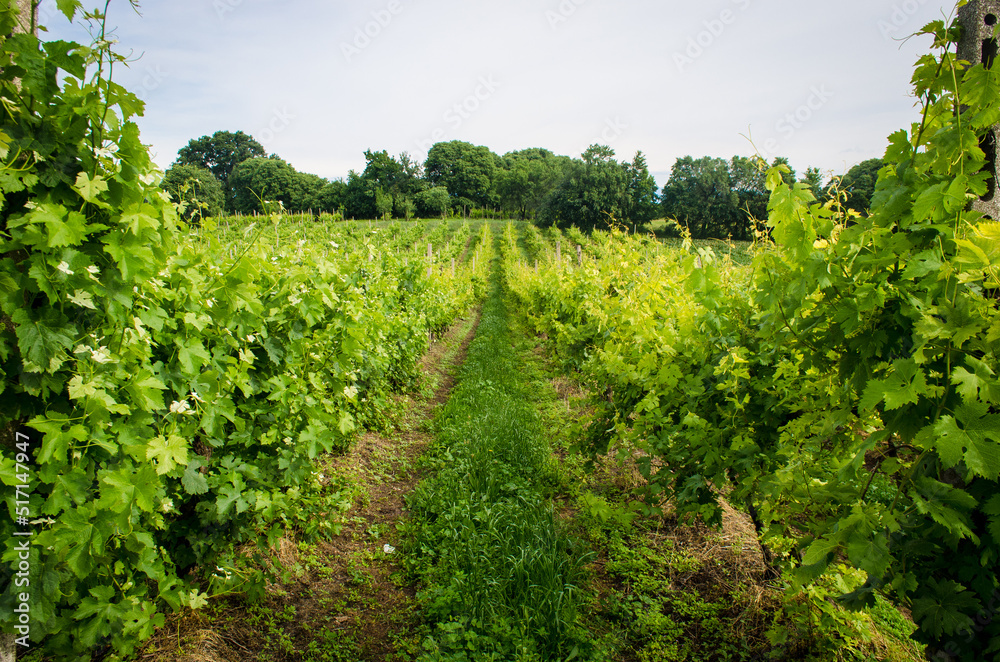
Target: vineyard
[296, 438]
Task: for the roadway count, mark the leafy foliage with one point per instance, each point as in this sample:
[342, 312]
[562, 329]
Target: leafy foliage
[600, 191]
[197, 188]
[181, 388]
[220, 153]
[467, 171]
[854, 354]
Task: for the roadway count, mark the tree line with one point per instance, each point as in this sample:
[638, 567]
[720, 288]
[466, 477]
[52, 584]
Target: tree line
[232, 173]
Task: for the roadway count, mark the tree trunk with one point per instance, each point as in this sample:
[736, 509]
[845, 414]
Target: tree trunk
[27, 22]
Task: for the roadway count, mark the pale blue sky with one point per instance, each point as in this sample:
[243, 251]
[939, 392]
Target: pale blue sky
[823, 83]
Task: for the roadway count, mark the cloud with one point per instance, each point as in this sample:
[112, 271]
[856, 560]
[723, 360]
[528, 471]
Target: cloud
[323, 81]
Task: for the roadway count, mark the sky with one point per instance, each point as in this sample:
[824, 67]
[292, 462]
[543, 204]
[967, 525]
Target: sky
[318, 82]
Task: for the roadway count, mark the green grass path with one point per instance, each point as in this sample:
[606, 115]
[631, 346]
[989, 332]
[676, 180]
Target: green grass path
[500, 577]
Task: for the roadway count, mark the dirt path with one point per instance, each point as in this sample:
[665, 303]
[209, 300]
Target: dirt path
[348, 600]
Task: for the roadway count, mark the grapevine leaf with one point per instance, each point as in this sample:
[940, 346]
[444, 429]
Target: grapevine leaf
[89, 189]
[65, 228]
[147, 391]
[231, 494]
[819, 550]
[346, 424]
[71, 489]
[946, 505]
[945, 612]
[978, 384]
[122, 487]
[85, 541]
[194, 599]
[55, 444]
[68, 7]
[899, 147]
[192, 355]
[43, 339]
[167, 452]
[905, 385]
[874, 393]
[102, 613]
[872, 556]
[89, 606]
[967, 436]
[193, 481]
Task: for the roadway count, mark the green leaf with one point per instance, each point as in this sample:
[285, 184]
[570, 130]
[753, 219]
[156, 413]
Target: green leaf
[193, 481]
[168, 453]
[930, 203]
[905, 385]
[68, 7]
[71, 489]
[194, 599]
[970, 435]
[946, 505]
[43, 336]
[64, 228]
[819, 550]
[192, 355]
[981, 383]
[103, 614]
[147, 391]
[945, 611]
[123, 487]
[870, 555]
[90, 189]
[229, 495]
[85, 541]
[346, 424]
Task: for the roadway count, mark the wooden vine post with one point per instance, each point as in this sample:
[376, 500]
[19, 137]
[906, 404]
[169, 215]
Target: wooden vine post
[27, 21]
[979, 46]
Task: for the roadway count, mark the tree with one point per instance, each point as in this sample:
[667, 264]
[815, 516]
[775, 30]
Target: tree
[433, 202]
[330, 198]
[359, 197]
[700, 196]
[383, 203]
[195, 187]
[592, 194]
[642, 203]
[467, 171]
[305, 193]
[220, 153]
[859, 184]
[748, 179]
[527, 178]
[404, 207]
[268, 179]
